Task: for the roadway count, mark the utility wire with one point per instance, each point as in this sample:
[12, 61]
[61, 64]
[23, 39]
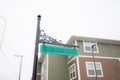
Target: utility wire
[1, 42]
[3, 30]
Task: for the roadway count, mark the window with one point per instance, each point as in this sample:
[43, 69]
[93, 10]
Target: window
[72, 71]
[88, 47]
[91, 69]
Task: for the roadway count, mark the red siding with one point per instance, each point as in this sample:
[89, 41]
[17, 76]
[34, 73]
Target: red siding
[38, 77]
[110, 67]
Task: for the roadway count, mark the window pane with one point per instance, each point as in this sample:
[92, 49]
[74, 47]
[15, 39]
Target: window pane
[73, 68]
[90, 65]
[99, 72]
[73, 74]
[70, 75]
[95, 49]
[97, 66]
[70, 70]
[91, 72]
[87, 48]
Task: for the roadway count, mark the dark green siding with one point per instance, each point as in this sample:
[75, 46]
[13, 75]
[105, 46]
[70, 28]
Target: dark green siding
[57, 67]
[105, 50]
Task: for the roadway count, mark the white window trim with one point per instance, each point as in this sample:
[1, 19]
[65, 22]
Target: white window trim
[90, 50]
[75, 72]
[94, 70]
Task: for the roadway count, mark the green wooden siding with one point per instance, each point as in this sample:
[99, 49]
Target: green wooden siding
[105, 50]
[38, 67]
[57, 67]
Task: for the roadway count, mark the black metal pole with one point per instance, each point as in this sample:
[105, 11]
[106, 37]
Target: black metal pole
[36, 49]
[20, 68]
[94, 62]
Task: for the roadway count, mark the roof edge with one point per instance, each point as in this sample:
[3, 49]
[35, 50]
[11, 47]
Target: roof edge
[92, 39]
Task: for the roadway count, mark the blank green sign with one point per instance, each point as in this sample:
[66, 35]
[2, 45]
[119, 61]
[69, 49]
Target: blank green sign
[56, 49]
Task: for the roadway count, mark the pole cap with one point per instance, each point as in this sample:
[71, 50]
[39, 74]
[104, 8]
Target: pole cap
[39, 16]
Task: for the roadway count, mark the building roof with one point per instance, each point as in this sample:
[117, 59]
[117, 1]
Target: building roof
[81, 38]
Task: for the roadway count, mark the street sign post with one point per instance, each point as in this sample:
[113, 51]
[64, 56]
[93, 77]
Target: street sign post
[58, 49]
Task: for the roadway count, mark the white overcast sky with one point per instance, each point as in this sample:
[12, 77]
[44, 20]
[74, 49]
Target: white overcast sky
[60, 19]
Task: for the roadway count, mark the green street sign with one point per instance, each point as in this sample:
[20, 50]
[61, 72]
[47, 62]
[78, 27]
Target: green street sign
[57, 49]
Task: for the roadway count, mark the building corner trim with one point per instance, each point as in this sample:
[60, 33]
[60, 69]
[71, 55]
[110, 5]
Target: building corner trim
[78, 68]
[78, 65]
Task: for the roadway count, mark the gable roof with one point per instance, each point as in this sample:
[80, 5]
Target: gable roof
[82, 38]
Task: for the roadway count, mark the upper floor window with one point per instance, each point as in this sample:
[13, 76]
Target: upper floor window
[72, 71]
[91, 69]
[88, 47]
